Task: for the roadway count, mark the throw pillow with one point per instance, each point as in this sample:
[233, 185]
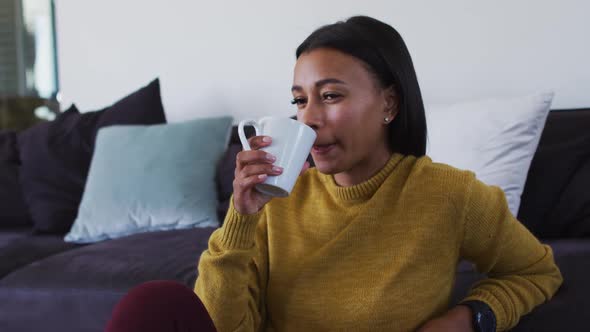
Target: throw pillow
[150, 178]
[13, 210]
[8, 148]
[556, 199]
[56, 155]
[495, 138]
[224, 178]
[573, 208]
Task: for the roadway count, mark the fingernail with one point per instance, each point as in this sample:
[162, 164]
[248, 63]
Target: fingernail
[270, 157]
[266, 139]
[277, 169]
[262, 176]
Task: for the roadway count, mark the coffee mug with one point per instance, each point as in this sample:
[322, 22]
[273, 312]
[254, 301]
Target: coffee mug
[291, 144]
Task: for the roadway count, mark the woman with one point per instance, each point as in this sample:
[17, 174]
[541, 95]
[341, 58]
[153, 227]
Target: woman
[370, 238]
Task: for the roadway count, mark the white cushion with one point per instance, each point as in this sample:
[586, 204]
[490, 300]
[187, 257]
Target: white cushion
[494, 138]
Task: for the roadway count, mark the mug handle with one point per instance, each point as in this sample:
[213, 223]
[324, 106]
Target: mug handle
[242, 135]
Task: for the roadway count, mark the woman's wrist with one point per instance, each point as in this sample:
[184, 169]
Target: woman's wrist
[457, 319]
[463, 316]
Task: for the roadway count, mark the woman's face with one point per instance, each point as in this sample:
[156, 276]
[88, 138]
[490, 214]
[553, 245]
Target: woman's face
[343, 102]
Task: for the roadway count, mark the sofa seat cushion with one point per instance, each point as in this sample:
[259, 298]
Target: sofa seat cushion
[7, 235]
[18, 248]
[87, 282]
[567, 309]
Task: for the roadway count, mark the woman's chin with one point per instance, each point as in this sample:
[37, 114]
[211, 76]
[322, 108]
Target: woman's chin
[326, 166]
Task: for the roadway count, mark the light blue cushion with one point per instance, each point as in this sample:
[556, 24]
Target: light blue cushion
[150, 178]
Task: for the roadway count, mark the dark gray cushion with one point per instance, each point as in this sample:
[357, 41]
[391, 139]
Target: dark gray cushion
[568, 309]
[19, 248]
[13, 209]
[8, 147]
[87, 282]
[56, 155]
[555, 201]
[7, 235]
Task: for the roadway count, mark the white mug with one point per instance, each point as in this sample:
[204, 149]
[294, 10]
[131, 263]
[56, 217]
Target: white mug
[291, 144]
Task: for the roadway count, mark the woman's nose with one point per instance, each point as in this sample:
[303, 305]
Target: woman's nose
[312, 116]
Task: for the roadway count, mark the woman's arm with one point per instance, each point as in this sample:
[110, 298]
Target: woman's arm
[233, 272]
[521, 271]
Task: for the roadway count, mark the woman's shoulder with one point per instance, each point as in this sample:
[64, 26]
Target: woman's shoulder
[434, 174]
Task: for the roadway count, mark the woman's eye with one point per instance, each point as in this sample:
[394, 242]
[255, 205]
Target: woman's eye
[330, 96]
[298, 101]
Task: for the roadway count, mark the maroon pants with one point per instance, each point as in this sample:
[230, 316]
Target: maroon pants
[160, 306]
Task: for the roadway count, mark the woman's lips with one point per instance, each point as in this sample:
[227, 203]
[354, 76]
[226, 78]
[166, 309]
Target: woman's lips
[322, 149]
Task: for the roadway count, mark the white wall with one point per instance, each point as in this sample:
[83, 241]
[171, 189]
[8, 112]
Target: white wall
[220, 57]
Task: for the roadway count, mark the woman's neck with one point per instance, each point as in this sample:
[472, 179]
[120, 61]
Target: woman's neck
[363, 170]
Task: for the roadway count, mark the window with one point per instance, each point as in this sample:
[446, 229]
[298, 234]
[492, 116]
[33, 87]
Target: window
[28, 64]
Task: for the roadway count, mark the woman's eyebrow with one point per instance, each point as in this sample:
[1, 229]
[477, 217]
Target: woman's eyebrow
[320, 83]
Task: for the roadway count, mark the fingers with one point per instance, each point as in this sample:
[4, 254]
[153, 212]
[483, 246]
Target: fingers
[257, 142]
[254, 157]
[257, 169]
[247, 183]
[254, 167]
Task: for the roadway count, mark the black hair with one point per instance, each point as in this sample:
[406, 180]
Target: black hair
[382, 48]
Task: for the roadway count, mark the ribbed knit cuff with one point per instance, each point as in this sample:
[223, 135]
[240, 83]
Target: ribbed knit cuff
[239, 230]
[493, 303]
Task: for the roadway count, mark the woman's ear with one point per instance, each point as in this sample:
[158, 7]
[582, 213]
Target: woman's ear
[391, 102]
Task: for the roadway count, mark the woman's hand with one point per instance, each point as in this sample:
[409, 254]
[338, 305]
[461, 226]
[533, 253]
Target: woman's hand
[253, 167]
[458, 319]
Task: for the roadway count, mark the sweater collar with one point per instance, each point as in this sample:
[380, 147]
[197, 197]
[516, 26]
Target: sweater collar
[363, 190]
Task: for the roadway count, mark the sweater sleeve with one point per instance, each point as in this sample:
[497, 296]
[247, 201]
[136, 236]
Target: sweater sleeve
[233, 272]
[521, 271]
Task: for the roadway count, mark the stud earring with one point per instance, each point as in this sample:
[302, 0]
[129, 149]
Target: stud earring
[386, 120]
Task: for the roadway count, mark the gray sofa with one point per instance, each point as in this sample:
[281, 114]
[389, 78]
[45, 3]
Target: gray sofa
[49, 285]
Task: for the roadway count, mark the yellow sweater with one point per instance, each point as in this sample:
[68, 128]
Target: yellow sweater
[377, 256]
